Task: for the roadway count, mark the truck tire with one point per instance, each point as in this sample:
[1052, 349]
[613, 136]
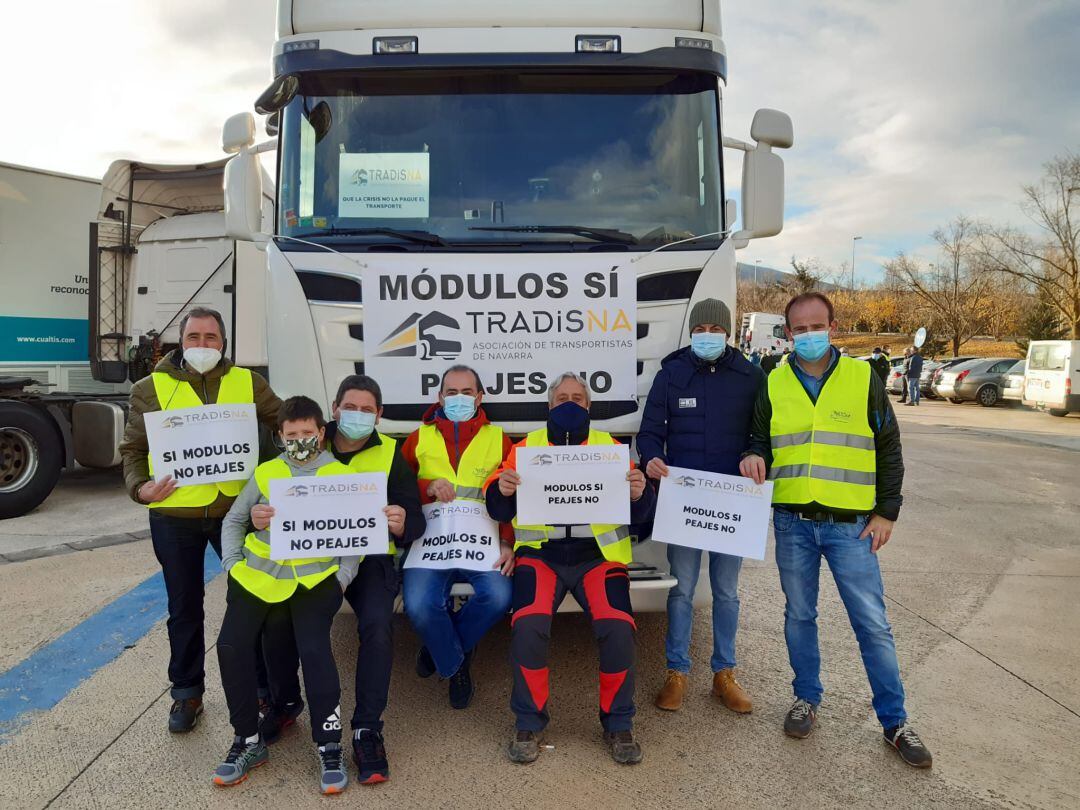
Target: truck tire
[1058, 412]
[30, 458]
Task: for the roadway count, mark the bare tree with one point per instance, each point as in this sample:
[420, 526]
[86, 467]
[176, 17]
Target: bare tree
[956, 291]
[1049, 260]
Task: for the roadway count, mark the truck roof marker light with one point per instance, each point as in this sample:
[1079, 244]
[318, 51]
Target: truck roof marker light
[300, 45]
[386, 45]
[692, 42]
[588, 43]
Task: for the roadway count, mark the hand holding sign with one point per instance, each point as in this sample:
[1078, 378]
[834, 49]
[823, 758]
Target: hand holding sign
[154, 491]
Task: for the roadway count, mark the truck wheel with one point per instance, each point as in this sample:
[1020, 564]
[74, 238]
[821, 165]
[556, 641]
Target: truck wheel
[987, 396]
[30, 458]
[1058, 412]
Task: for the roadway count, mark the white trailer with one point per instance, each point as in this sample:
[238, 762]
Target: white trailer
[157, 247]
[763, 331]
[421, 138]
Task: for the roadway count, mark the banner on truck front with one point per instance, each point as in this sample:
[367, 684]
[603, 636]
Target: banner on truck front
[713, 512]
[459, 534]
[520, 325]
[328, 516]
[208, 444]
[575, 484]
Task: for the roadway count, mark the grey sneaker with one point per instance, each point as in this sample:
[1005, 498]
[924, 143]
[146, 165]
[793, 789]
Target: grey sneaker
[911, 749]
[624, 748]
[524, 748]
[242, 758]
[333, 778]
[800, 719]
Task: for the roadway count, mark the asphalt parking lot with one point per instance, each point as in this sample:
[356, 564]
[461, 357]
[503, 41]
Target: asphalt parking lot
[981, 577]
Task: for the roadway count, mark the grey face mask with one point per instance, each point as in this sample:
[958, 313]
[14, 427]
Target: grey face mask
[302, 449]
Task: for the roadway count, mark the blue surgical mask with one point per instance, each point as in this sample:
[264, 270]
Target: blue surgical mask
[811, 346]
[459, 407]
[356, 424]
[569, 417]
[708, 345]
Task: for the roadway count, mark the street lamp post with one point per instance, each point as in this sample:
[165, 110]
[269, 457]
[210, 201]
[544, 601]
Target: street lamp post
[854, 239]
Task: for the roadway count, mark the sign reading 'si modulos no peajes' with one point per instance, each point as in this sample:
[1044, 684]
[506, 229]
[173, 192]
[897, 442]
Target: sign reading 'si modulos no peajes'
[210, 444]
[519, 327]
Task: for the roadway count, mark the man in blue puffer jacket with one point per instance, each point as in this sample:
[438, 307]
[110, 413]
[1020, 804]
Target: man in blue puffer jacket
[698, 416]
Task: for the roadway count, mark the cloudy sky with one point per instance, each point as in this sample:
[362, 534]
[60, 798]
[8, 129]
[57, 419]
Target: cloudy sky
[906, 112]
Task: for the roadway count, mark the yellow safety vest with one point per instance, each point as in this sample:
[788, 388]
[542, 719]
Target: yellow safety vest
[824, 452]
[235, 388]
[480, 459]
[376, 459]
[613, 539]
[277, 581]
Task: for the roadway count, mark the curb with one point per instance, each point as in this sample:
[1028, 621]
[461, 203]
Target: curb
[90, 543]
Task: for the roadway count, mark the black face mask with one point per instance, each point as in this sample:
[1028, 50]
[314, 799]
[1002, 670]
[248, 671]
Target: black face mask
[569, 417]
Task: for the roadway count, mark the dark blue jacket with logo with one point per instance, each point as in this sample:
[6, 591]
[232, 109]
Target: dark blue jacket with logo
[698, 413]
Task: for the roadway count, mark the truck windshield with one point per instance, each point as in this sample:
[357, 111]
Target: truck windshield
[503, 159]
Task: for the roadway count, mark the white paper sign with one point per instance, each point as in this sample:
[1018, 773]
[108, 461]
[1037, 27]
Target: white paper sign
[459, 535]
[714, 512]
[384, 184]
[574, 484]
[520, 324]
[204, 445]
[328, 516]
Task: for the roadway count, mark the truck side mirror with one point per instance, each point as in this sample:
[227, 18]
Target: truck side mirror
[763, 176]
[243, 180]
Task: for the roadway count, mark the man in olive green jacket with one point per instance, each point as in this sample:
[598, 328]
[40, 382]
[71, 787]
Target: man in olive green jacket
[180, 533]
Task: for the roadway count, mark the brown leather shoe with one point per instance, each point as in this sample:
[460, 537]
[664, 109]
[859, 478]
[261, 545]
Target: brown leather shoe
[728, 691]
[670, 697]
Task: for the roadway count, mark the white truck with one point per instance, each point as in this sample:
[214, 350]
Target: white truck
[509, 143]
[157, 247]
[763, 331]
[1052, 376]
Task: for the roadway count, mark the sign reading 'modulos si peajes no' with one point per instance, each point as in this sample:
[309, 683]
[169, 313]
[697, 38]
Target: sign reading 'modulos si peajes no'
[519, 327]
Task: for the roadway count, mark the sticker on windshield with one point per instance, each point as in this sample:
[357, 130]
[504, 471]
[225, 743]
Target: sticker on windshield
[388, 185]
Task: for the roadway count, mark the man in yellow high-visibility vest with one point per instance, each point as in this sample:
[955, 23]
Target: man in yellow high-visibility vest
[589, 561]
[184, 519]
[824, 432]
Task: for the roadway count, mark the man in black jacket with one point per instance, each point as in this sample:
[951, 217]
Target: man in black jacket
[823, 431]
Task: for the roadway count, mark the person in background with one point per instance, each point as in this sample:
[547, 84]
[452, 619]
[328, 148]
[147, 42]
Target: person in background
[770, 361]
[185, 519]
[755, 357]
[880, 364]
[844, 352]
[589, 561]
[824, 433]
[452, 453]
[697, 415]
[912, 374]
[904, 375]
[307, 591]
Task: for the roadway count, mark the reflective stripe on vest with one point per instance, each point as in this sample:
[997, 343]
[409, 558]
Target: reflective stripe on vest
[481, 458]
[612, 538]
[276, 581]
[823, 453]
[235, 388]
[376, 459]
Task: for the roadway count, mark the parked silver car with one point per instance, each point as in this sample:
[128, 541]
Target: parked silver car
[981, 380]
[1014, 383]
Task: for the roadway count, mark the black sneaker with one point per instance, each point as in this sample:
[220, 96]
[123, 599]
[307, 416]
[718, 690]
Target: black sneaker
[624, 748]
[425, 664]
[800, 719]
[278, 718]
[909, 746]
[184, 715]
[369, 754]
[461, 685]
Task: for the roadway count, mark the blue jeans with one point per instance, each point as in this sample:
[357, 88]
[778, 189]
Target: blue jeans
[914, 394]
[800, 545]
[724, 578]
[448, 635]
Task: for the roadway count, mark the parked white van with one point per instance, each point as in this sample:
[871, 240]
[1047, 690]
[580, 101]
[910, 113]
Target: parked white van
[1052, 381]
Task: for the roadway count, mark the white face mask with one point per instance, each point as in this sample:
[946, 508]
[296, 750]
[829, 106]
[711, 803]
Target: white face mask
[202, 359]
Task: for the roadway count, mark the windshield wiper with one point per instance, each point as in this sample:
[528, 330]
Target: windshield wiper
[420, 237]
[599, 234]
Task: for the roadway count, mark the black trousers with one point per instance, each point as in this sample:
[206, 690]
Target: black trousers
[371, 596]
[311, 614]
[541, 581]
